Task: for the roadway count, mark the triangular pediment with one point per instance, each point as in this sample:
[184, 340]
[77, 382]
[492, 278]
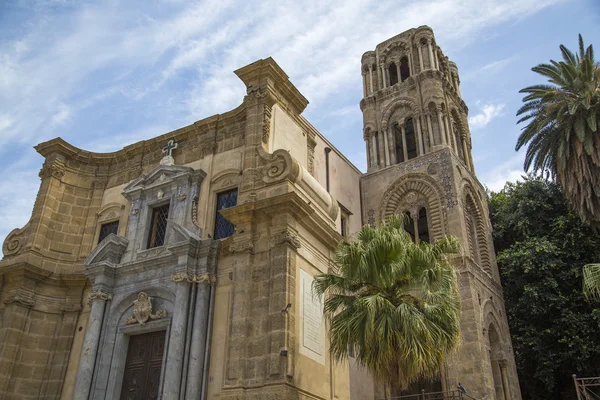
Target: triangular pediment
[162, 175]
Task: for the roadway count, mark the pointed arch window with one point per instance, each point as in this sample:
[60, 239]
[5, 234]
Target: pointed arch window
[472, 232]
[411, 139]
[423, 226]
[404, 69]
[418, 228]
[399, 144]
[409, 225]
[393, 73]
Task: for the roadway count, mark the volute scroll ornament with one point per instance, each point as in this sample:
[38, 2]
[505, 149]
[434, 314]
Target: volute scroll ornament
[98, 295]
[142, 310]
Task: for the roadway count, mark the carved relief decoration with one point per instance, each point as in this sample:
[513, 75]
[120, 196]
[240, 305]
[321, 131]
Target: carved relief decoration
[98, 295]
[54, 169]
[287, 237]
[266, 124]
[15, 240]
[21, 299]
[194, 278]
[142, 310]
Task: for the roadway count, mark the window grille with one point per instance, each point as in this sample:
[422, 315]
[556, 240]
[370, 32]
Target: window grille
[108, 228]
[224, 228]
[158, 226]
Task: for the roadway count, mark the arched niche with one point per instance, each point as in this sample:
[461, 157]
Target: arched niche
[479, 249]
[412, 192]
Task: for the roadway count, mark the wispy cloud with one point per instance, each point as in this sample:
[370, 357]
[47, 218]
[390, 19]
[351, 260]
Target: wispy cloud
[509, 171]
[103, 73]
[487, 113]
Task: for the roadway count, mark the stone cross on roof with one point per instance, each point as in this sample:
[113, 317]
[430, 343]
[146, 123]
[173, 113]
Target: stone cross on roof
[168, 152]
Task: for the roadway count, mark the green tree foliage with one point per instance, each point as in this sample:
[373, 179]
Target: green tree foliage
[393, 302]
[563, 130]
[542, 247]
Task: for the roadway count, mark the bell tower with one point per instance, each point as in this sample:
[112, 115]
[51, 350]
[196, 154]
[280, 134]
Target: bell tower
[419, 159]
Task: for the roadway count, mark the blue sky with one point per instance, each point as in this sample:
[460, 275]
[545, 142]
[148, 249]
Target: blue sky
[102, 75]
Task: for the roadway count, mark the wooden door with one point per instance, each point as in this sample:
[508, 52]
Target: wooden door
[142, 368]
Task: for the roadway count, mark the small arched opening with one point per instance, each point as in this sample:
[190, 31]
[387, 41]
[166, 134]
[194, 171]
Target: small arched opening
[411, 139]
[404, 69]
[393, 73]
[399, 144]
[423, 226]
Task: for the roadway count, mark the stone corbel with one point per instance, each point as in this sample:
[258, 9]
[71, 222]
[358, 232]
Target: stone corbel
[182, 277]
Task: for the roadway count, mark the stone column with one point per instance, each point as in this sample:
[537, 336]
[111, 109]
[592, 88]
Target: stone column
[85, 373]
[198, 345]
[448, 128]
[456, 85]
[174, 365]
[421, 57]
[398, 70]
[392, 142]
[465, 152]
[374, 149]
[437, 61]
[410, 67]
[431, 60]
[368, 153]
[441, 125]
[386, 149]
[383, 76]
[404, 143]
[364, 81]
[504, 374]
[371, 78]
[420, 136]
[430, 129]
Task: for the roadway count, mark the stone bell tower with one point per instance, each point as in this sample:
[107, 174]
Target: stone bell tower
[420, 163]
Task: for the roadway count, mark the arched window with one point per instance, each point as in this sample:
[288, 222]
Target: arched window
[393, 74]
[458, 140]
[411, 139]
[409, 226]
[472, 232]
[404, 69]
[399, 144]
[423, 226]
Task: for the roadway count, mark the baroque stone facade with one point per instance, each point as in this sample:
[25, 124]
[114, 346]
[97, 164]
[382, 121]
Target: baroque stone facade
[181, 266]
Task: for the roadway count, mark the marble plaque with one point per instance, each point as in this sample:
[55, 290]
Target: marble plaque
[313, 334]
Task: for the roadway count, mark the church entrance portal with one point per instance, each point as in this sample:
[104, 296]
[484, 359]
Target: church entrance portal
[143, 366]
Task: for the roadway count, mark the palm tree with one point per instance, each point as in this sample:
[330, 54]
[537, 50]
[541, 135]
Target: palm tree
[562, 132]
[394, 303]
[591, 281]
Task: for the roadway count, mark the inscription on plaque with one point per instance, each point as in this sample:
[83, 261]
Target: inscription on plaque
[312, 316]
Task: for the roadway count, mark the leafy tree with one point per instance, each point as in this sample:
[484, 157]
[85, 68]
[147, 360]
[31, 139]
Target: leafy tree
[562, 133]
[591, 281]
[542, 246]
[393, 302]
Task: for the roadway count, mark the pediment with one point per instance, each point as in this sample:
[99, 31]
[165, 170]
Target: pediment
[110, 250]
[163, 175]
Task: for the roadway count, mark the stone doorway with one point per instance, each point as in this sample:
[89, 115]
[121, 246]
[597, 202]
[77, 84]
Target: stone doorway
[141, 380]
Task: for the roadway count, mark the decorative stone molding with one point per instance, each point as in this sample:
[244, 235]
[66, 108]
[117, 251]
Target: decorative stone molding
[54, 169]
[15, 240]
[266, 123]
[98, 295]
[19, 298]
[197, 278]
[401, 102]
[142, 310]
[286, 237]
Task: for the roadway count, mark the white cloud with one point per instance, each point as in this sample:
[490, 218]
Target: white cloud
[487, 113]
[174, 63]
[509, 171]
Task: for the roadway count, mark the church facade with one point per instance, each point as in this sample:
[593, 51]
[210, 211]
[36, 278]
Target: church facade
[180, 267]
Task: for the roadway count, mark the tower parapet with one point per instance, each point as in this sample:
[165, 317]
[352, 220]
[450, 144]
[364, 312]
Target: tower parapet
[411, 101]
